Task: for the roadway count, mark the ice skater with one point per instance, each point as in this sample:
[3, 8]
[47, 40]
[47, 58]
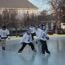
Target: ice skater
[26, 40]
[43, 37]
[4, 33]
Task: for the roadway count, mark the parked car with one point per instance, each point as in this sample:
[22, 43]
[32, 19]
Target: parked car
[50, 32]
[17, 32]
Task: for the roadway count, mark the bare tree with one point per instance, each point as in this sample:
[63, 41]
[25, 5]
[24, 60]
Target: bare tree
[9, 18]
[5, 17]
[0, 20]
[56, 10]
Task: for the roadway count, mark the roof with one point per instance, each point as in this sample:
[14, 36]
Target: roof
[16, 4]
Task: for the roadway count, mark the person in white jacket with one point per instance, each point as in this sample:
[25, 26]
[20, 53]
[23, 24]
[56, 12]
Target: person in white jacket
[42, 37]
[26, 40]
[4, 32]
[32, 30]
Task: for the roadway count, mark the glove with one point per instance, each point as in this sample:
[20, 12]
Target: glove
[47, 38]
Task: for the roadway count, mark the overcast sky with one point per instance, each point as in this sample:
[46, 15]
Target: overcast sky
[41, 4]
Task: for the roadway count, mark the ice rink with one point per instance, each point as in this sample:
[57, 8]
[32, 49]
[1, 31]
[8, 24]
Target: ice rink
[10, 56]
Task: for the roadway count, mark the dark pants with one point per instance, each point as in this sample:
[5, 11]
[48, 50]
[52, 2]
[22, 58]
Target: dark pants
[24, 44]
[33, 34]
[44, 47]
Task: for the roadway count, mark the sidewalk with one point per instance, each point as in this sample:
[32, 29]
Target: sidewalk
[18, 38]
[57, 35]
